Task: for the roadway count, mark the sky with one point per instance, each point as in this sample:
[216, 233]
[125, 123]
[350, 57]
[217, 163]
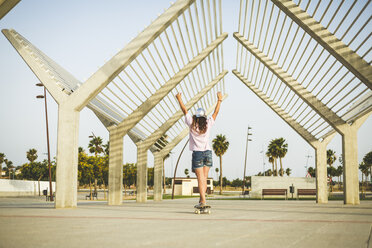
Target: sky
[81, 36]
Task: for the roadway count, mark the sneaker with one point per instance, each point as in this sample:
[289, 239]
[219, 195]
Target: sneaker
[200, 205]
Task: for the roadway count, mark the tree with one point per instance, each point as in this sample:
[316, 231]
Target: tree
[236, 183]
[150, 177]
[269, 172]
[331, 172]
[367, 159]
[339, 172]
[272, 153]
[2, 157]
[9, 167]
[129, 174]
[288, 171]
[365, 171]
[31, 155]
[271, 160]
[331, 158]
[107, 148]
[277, 149]
[281, 151]
[95, 145]
[311, 171]
[187, 173]
[220, 146]
[85, 170]
[217, 170]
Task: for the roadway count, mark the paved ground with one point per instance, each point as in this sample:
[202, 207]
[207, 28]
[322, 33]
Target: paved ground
[32, 222]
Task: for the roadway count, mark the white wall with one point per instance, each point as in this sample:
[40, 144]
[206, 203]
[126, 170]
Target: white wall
[186, 188]
[10, 187]
[260, 182]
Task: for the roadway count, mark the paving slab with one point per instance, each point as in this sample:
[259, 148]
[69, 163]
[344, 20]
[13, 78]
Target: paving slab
[32, 222]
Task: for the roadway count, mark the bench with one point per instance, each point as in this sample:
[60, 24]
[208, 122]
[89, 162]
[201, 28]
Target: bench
[305, 192]
[274, 192]
[94, 194]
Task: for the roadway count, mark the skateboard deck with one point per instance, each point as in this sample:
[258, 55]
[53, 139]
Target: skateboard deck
[203, 210]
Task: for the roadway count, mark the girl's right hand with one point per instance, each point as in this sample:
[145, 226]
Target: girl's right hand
[219, 96]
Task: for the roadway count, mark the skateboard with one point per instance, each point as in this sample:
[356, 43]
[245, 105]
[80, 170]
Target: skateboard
[203, 210]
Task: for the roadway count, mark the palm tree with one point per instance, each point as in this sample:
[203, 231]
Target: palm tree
[9, 166]
[365, 171]
[288, 171]
[282, 149]
[273, 151]
[271, 160]
[31, 155]
[331, 158]
[220, 146]
[311, 171]
[367, 159]
[95, 145]
[2, 157]
[217, 170]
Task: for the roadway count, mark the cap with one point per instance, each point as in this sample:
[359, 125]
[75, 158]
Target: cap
[200, 112]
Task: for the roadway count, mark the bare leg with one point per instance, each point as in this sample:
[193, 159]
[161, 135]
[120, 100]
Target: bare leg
[201, 183]
[206, 171]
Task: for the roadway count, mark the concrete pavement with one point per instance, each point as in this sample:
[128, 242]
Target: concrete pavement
[32, 222]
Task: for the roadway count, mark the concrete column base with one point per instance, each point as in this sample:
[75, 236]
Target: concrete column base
[115, 181]
[67, 158]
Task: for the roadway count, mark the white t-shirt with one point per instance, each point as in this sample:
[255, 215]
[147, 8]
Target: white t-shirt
[199, 142]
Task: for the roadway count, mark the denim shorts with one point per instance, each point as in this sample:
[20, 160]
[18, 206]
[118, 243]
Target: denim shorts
[201, 159]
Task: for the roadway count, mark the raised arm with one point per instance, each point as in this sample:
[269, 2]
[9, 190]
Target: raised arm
[183, 108]
[219, 97]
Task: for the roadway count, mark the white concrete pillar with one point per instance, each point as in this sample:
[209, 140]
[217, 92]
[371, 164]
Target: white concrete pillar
[350, 160]
[321, 168]
[67, 157]
[158, 176]
[141, 174]
[321, 174]
[115, 180]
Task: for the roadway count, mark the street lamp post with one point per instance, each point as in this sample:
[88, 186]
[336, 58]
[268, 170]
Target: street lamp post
[47, 133]
[263, 161]
[245, 162]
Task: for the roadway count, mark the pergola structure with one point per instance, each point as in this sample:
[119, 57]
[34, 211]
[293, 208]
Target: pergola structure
[317, 81]
[133, 93]
[6, 6]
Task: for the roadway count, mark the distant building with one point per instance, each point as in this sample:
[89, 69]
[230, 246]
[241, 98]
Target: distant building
[189, 186]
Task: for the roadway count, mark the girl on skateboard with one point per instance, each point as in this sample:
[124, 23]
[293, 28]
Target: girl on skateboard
[200, 127]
